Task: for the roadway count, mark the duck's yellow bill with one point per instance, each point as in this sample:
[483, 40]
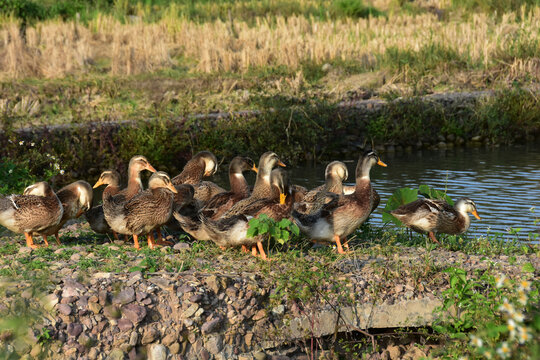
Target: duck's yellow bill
[280, 163]
[475, 213]
[254, 168]
[282, 198]
[172, 188]
[150, 168]
[98, 183]
[379, 162]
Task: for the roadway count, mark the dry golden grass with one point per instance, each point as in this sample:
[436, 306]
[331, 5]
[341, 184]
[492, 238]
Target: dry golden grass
[55, 49]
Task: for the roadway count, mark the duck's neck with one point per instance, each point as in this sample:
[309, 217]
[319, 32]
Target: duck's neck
[464, 220]
[238, 183]
[111, 190]
[134, 183]
[334, 185]
[262, 185]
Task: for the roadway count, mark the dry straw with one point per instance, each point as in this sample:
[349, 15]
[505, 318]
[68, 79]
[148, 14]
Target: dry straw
[54, 49]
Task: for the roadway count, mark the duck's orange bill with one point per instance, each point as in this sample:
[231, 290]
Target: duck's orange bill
[280, 163]
[379, 162]
[475, 213]
[254, 168]
[282, 198]
[150, 168]
[172, 188]
[79, 213]
[98, 183]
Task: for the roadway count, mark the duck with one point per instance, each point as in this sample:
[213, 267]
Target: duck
[336, 172]
[144, 212]
[437, 216]
[222, 202]
[262, 188]
[335, 220]
[232, 231]
[32, 213]
[76, 198]
[202, 164]
[95, 216]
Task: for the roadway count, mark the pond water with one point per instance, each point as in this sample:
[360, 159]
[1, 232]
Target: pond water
[504, 182]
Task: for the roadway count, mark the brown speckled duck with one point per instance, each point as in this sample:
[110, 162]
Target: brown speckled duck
[339, 218]
[222, 202]
[431, 216]
[95, 216]
[31, 213]
[201, 165]
[76, 198]
[262, 188]
[144, 212]
[232, 231]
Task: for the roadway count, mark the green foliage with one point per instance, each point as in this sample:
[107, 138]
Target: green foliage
[26, 10]
[25, 165]
[431, 193]
[280, 231]
[146, 265]
[355, 8]
[44, 336]
[495, 308]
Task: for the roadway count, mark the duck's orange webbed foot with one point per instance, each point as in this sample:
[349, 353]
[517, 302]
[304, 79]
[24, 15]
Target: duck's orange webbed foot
[30, 241]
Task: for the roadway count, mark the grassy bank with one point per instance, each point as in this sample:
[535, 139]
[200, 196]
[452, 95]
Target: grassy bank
[385, 266]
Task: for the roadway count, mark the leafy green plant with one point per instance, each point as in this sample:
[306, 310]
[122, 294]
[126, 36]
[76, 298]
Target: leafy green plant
[44, 336]
[490, 316]
[280, 231]
[146, 265]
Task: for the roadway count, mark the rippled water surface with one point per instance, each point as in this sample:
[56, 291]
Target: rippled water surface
[504, 182]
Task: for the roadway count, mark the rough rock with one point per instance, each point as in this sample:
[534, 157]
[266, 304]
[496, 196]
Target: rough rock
[157, 352]
[211, 326]
[124, 297]
[133, 312]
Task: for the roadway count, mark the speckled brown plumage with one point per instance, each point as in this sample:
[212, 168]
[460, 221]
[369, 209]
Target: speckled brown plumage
[144, 212]
[31, 213]
[202, 164]
[430, 215]
[335, 173]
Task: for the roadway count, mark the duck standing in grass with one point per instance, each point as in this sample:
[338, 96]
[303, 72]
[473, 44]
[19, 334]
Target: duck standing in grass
[340, 217]
[31, 213]
[76, 198]
[144, 212]
[431, 216]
